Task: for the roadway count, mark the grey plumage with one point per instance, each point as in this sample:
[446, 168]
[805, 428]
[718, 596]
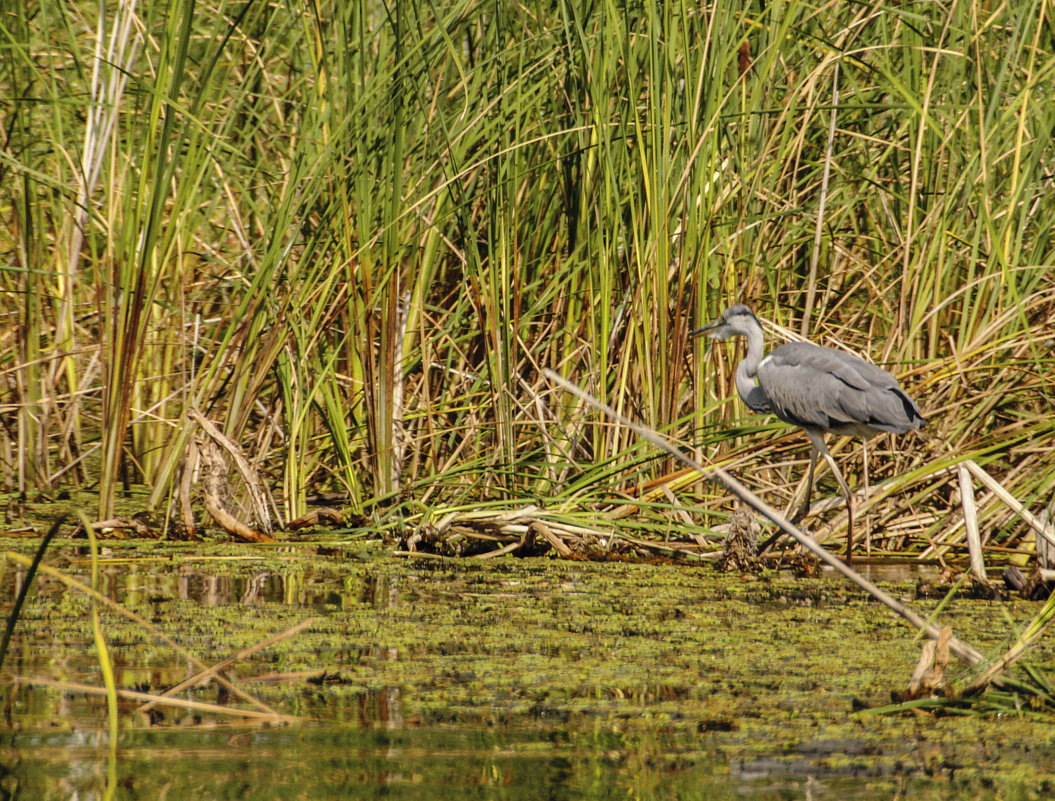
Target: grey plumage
[811, 386]
[818, 389]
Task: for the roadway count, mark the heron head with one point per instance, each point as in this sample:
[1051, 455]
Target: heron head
[737, 320]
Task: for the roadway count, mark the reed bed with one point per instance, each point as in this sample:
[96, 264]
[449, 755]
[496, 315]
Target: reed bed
[351, 236]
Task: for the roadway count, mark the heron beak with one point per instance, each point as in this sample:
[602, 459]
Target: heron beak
[711, 326]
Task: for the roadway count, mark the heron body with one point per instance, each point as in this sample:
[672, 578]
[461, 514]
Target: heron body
[818, 389]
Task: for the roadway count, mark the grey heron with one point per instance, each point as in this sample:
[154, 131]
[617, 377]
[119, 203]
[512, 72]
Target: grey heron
[818, 389]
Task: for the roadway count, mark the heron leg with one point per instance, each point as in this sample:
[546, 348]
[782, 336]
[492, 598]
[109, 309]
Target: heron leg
[804, 507]
[868, 519]
[818, 443]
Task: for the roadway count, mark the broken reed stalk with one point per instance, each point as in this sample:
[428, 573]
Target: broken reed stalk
[1042, 528]
[1026, 640]
[970, 522]
[714, 473]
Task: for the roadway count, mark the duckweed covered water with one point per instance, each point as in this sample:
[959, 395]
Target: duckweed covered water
[512, 678]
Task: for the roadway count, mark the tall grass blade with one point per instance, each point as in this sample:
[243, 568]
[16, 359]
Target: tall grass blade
[23, 591]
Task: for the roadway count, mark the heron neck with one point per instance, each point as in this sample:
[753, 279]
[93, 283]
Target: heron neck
[748, 368]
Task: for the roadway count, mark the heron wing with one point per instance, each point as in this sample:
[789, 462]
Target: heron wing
[816, 387]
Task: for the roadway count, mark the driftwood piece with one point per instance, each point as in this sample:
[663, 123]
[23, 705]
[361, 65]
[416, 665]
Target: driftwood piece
[540, 529]
[140, 528]
[213, 481]
[929, 678]
[1034, 586]
[741, 543]
[245, 469]
[511, 548]
[528, 527]
[316, 517]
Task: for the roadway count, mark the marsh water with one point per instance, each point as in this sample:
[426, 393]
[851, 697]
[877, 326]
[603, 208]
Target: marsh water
[506, 679]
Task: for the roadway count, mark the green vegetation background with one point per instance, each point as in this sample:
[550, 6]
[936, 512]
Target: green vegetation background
[351, 234]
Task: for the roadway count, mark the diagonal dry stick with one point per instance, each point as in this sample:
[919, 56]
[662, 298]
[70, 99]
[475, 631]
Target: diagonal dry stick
[135, 695]
[215, 669]
[960, 648]
[80, 586]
